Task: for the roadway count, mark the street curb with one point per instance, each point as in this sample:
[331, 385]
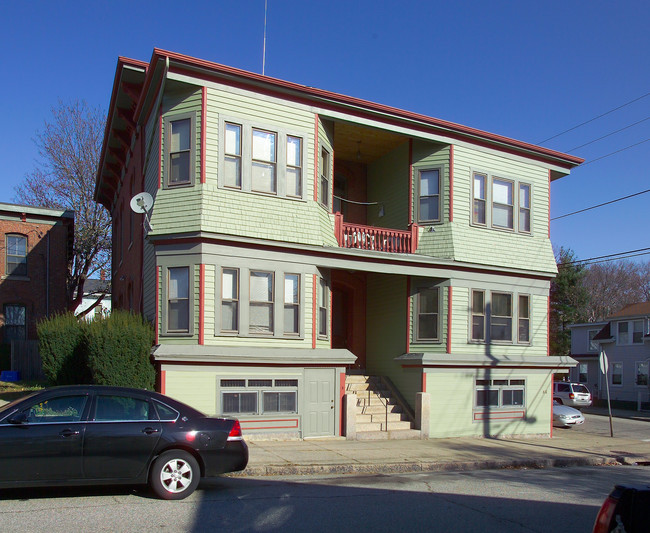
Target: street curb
[415, 466]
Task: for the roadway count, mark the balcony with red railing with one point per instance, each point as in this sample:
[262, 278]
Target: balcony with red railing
[373, 238]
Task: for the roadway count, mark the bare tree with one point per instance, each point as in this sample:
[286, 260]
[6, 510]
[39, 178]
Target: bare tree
[612, 286]
[64, 178]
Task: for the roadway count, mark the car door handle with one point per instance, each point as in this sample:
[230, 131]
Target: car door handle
[149, 431]
[68, 433]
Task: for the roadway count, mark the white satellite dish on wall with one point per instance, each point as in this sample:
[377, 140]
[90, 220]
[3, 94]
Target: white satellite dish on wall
[142, 203]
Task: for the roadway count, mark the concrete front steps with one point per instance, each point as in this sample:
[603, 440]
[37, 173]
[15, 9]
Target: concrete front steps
[378, 415]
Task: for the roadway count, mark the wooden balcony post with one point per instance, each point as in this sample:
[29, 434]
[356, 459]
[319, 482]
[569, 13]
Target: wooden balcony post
[338, 227]
[414, 237]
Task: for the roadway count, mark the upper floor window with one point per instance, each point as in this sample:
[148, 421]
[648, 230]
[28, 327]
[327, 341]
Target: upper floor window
[429, 195]
[261, 302]
[178, 299]
[259, 159]
[292, 304]
[15, 328]
[230, 300]
[492, 320]
[323, 308]
[630, 332]
[593, 345]
[16, 255]
[523, 311]
[501, 203]
[325, 177]
[428, 314]
[179, 147]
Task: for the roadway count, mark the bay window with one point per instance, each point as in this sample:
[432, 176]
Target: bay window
[261, 302]
[294, 166]
[479, 199]
[501, 317]
[180, 149]
[502, 203]
[263, 176]
[233, 156]
[429, 195]
[178, 299]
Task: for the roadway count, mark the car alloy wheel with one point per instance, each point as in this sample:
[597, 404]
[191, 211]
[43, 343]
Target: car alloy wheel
[174, 475]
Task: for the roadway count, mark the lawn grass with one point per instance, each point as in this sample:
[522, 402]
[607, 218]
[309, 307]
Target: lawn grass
[10, 391]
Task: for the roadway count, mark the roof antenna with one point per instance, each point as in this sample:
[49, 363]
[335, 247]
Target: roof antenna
[264, 47]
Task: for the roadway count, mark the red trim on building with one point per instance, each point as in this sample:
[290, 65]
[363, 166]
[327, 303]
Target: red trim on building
[204, 121]
[160, 149]
[316, 156]
[410, 181]
[163, 381]
[201, 303]
[314, 312]
[294, 421]
[341, 402]
[549, 204]
[449, 300]
[157, 320]
[548, 325]
[424, 381]
[499, 415]
[451, 183]
[408, 314]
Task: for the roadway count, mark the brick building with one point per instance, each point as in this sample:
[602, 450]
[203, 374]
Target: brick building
[36, 245]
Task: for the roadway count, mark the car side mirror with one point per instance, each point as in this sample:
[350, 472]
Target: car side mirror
[18, 418]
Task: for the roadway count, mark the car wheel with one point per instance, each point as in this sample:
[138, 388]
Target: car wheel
[174, 475]
[558, 400]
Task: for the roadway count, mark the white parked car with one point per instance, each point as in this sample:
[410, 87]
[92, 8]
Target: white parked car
[571, 394]
[565, 416]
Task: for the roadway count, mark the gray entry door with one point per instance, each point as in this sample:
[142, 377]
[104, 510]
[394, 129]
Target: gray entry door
[319, 399]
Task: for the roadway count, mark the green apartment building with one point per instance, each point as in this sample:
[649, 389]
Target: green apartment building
[300, 238]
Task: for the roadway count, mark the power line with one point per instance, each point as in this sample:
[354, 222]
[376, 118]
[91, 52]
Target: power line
[601, 205]
[613, 153]
[617, 258]
[595, 118]
[608, 135]
[609, 257]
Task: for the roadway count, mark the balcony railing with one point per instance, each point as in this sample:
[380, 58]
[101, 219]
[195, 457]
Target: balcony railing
[374, 238]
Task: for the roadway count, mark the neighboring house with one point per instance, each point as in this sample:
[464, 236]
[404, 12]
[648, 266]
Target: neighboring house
[625, 339]
[93, 289]
[299, 235]
[37, 244]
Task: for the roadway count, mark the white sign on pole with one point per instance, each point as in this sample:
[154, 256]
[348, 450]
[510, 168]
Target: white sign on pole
[604, 363]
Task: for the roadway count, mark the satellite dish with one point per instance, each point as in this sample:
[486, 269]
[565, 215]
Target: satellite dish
[142, 203]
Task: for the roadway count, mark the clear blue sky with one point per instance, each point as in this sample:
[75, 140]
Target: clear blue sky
[527, 70]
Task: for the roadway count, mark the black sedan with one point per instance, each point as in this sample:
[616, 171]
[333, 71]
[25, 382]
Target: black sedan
[87, 434]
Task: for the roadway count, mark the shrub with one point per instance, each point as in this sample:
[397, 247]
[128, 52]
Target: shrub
[63, 358]
[118, 349]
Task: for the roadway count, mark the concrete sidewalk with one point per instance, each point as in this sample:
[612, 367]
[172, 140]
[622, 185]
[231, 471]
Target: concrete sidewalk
[567, 447]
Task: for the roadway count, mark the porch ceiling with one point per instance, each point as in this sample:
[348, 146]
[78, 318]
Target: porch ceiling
[363, 144]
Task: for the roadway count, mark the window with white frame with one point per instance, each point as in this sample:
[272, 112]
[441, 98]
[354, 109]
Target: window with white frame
[642, 373]
[523, 313]
[16, 255]
[582, 372]
[179, 147]
[259, 396]
[630, 332]
[259, 159]
[323, 308]
[500, 393]
[428, 314]
[292, 304]
[501, 317]
[617, 373]
[325, 177]
[501, 203]
[593, 345]
[15, 327]
[478, 316]
[178, 299]
[261, 302]
[230, 300]
[429, 195]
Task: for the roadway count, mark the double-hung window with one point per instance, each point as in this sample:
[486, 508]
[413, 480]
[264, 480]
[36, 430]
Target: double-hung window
[230, 300]
[479, 199]
[428, 314]
[429, 195]
[524, 208]
[291, 304]
[323, 308]
[325, 178]
[502, 203]
[478, 316]
[233, 156]
[264, 174]
[501, 317]
[16, 255]
[642, 373]
[294, 166]
[178, 300]
[617, 373]
[523, 313]
[582, 372]
[630, 332]
[179, 133]
[593, 345]
[261, 303]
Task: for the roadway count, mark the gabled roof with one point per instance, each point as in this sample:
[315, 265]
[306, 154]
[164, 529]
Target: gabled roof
[137, 86]
[633, 310]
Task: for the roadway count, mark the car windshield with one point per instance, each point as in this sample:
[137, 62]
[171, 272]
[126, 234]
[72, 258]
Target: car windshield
[580, 388]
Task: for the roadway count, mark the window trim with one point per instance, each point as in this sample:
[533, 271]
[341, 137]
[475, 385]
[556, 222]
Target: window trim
[580, 373]
[596, 348]
[267, 163]
[416, 314]
[259, 391]
[246, 140]
[165, 302]
[5, 324]
[520, 318]
[493, 204]
[263, 303]
[472, 314]
[521, 209]
[239, 157]
[637, 364]
[323, 295]
[322, 179]
[440, 170]
[167, 122]
[297, 306]
[7, 255]
[492, 315]
[484, 199]
[236, 301]
[500, 388]
[613, 364]
[630, 331]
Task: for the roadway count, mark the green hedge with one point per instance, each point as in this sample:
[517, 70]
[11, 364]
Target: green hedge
[114, 350]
